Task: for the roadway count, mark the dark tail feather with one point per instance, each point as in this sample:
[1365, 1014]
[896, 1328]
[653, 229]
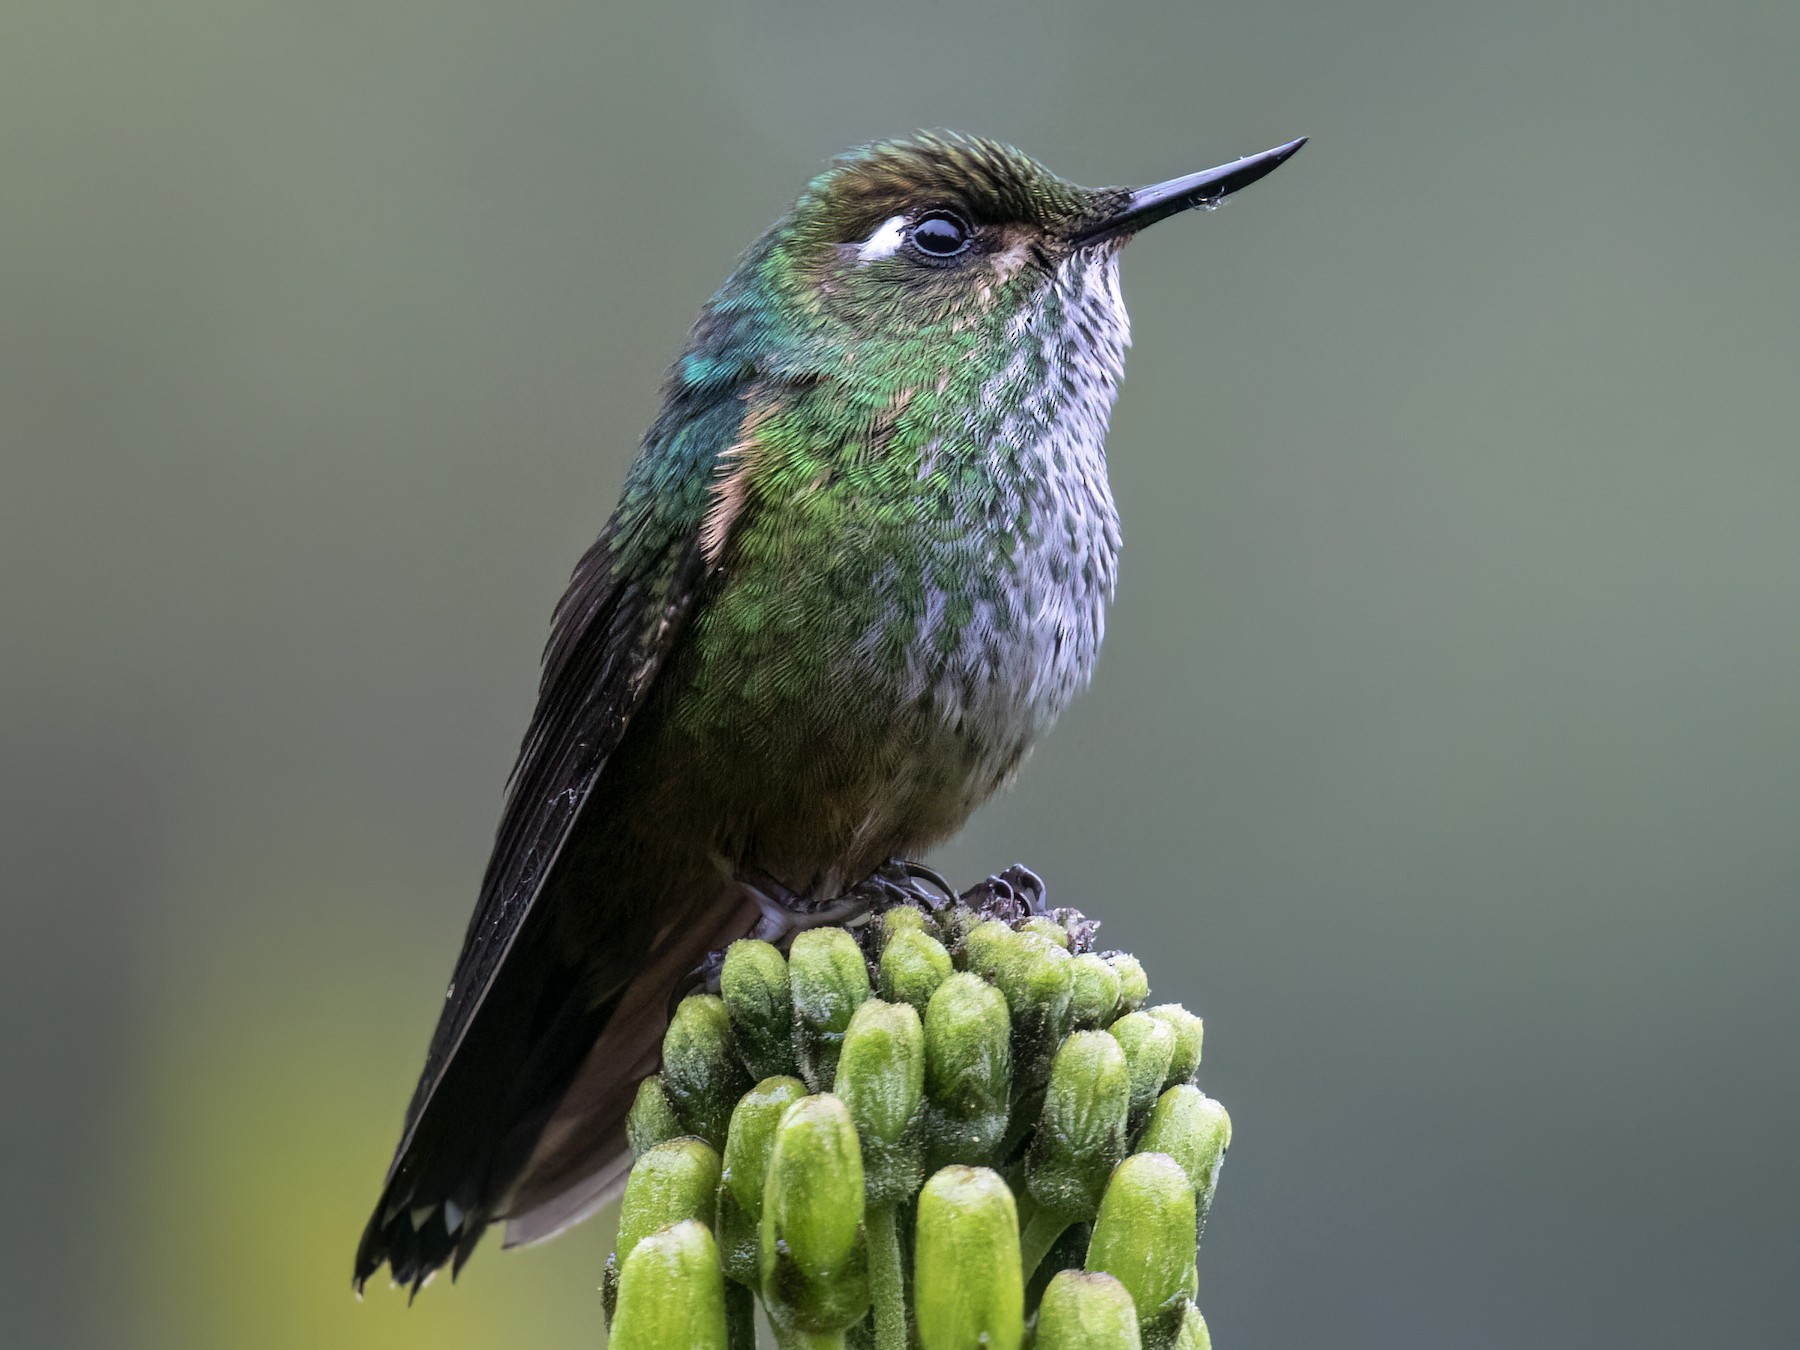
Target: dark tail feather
[527, 1122]
[474, 1135]
[579, 1157]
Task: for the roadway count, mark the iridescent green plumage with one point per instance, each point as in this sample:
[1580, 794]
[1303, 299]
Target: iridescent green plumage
[859, 567]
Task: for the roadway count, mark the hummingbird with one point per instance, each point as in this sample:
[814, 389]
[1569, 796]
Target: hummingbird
[859, 567]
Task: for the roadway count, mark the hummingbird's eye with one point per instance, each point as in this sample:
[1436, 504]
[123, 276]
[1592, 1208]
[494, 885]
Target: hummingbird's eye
[940, 235]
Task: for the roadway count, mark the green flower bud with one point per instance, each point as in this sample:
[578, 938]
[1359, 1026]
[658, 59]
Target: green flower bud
[814, 1255]
[651, 1120]
[968, 1287]
[1195, 1131]
[1086, 1312]
[1149, 1047]
[1134, 985]
[1081, 1134]
[745, 1172]
[905, 918]
[671, 1182]
[671, 1293]
[1094, 993]
[881, 1079]
[1190, 1033]
[830, 982]
[913, 966]
[1144, 1237]
[968, 1071]
[1037, 977]
[759, 998]
[1193, 1334]
[701, 1073]
[981, 947]
[1046, 927]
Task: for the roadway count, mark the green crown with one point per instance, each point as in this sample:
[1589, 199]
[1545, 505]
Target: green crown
[951, 1126]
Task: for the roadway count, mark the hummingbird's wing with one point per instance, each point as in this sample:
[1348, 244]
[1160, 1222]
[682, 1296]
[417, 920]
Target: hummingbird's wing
[612, 629]
[624, 609]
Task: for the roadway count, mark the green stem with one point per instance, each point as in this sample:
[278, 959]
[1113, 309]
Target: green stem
[1038, 1238]
[740, 1316]
[887, 1278]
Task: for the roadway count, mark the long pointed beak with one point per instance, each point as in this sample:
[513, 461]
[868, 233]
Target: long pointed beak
[1147, 205]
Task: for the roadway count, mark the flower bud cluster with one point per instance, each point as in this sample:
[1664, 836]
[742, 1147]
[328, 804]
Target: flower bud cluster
[941, 1128]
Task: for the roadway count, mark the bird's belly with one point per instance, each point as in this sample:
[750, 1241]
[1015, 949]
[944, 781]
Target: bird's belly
[820, 731]
[820, 781]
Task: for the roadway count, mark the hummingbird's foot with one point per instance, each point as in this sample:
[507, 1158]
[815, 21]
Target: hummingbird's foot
[900, 881]
[1019, 893]
[1016, 893]
[784, 913]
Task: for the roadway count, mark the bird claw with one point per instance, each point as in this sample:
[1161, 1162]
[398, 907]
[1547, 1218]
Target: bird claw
[784, 913]
[900, 881]
[1016, 893]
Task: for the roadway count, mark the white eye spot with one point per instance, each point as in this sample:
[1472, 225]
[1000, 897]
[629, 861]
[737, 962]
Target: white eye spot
[885, 242]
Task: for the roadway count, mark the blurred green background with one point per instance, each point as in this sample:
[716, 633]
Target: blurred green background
[1446, 749]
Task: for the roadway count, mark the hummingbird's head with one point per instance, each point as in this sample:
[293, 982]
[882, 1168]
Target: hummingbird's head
[916, 237]
[918, 252]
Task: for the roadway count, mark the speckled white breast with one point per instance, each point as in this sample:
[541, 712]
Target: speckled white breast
[1036, 628]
